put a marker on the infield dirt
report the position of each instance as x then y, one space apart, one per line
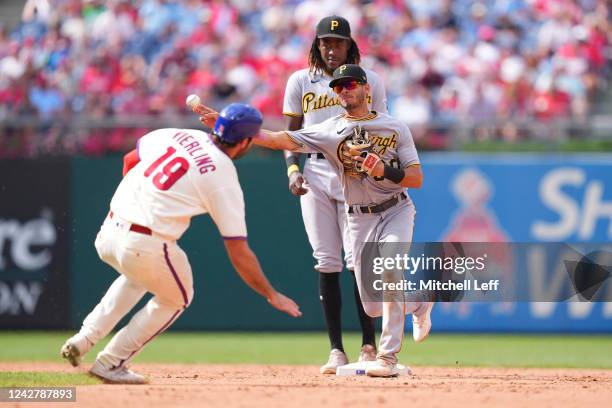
177 385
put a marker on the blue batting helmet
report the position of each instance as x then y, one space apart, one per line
237 121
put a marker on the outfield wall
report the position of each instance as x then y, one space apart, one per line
50 212
530 198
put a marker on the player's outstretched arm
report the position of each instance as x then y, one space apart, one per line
267 138
246 264
276 141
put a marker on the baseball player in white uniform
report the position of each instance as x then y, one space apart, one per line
173 175
308 101
378 207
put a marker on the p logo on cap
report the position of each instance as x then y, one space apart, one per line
335 27
348 71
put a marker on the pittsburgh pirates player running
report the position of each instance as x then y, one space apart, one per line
379 210
308 101
173 175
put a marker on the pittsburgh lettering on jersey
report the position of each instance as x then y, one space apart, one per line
384 142
313 102
193 149
380 145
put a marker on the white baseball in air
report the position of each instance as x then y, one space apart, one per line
192 101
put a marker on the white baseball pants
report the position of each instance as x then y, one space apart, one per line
147 263
324 215
394 225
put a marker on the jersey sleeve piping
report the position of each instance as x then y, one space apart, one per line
293 115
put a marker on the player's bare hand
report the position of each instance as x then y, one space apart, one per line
297 184
284 304
208 116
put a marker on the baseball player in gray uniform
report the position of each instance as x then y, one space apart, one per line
378 207
308 101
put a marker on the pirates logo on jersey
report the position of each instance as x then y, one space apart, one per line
363 141
359 141
343 155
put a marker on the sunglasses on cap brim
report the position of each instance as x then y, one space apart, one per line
348 85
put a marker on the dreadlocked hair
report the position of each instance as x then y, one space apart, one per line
316 62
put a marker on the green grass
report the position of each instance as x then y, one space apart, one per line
587 351
36 379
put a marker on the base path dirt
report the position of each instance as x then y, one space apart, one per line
229 386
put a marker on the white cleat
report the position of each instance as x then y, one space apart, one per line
337 358
368 353
421 322
75 348
71 353
383 368
117 375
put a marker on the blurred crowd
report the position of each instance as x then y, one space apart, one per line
443 62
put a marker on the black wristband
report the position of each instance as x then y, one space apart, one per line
292 159
394 174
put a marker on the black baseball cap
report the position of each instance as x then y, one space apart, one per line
348 71
334 26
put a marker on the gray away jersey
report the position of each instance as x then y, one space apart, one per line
391 138
308 94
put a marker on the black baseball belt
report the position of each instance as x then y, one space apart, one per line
378 208
316 155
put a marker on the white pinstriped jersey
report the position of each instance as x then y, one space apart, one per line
181 174
308 94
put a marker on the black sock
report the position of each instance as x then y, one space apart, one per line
331 300
367 323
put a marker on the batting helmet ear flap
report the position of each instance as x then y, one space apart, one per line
237 121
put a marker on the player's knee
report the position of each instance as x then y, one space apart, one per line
328 264
175 302
186 297
372 309
189 297
180 300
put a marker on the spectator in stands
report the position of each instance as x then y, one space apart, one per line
541 59
46 98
